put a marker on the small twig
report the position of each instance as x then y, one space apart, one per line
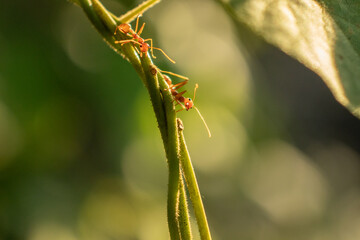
131 15
193 187
184 220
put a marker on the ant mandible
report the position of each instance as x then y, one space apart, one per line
136 39
185 103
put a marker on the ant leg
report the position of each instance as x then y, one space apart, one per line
170 87
179 85
137 23
164 54
152 52
180 109
180 94
137 50
118 27
130 41
141 29
182 106
174 74
126 41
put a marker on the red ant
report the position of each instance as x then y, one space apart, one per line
136 39
185 103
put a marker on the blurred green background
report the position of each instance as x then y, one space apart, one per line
81 156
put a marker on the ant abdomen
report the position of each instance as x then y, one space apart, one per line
124 28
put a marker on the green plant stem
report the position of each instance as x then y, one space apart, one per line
132 14
184 220
162 101
176 185
106 26
171 143
172 201
193 188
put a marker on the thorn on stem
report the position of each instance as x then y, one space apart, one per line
153 70
180 124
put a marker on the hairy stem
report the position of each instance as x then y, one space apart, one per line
184 221
193 187
131 15
171 146
106 23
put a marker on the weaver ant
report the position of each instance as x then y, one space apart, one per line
136 39
185 103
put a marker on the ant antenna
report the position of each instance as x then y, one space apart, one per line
202 118
137 24
151 47
196 87
163 53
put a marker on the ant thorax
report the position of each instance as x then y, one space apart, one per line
181 98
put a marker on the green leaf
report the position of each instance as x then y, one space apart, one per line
324 35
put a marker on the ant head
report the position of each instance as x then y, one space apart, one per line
124 28
188 102
144 47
